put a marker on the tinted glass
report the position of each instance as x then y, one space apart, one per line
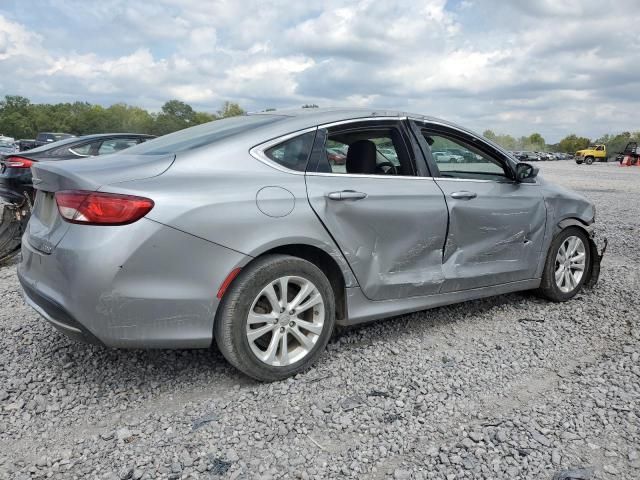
116 144
85 149
59 143
202 135
293 153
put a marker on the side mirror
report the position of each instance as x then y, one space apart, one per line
525 172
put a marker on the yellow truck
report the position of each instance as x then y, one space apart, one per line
595 153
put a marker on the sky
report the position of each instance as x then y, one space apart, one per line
514 66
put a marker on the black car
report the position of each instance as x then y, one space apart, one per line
45 138
15 169
26 144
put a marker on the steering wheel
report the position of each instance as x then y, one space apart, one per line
386 168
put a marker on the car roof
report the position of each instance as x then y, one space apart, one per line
295 119
317 116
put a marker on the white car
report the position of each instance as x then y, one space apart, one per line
440 156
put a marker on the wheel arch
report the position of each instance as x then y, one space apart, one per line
593 273
325 262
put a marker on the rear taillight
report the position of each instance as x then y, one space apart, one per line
18 162
100 208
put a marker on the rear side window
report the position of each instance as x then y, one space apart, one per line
202 135
293 153
116 144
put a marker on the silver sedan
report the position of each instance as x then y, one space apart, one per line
245 232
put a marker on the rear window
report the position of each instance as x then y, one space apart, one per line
293 153
202 135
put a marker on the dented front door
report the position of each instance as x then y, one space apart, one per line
495 232
391 230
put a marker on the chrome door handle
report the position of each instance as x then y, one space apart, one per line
464 195
346 195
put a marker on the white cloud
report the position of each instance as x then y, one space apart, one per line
556 67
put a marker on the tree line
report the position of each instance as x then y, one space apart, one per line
569 144
19 118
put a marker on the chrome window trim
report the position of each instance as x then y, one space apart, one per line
358 120
362 175
257 151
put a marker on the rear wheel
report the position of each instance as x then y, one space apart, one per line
277 317
567 264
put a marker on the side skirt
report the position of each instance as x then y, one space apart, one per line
360 309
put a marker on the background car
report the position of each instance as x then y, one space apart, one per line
15 172
45 138
26 144
447 157
241 231
336 155
7 147
530 157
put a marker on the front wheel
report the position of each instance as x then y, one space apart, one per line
588 160
277 317
567 264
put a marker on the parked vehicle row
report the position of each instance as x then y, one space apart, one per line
531 156
246 231
16 186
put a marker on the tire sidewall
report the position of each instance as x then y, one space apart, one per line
551 261
239 299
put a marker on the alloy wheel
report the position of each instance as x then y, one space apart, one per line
570 264
285 321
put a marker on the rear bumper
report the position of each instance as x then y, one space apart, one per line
56 315
143 285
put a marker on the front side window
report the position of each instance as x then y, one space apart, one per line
455 158
366 151
293 153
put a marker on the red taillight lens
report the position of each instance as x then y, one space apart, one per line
18 162
100 208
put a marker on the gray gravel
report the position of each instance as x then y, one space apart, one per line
505 388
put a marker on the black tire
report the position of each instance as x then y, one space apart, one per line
588 160
548 287
579 162
231 318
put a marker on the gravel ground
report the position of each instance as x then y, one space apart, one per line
505 388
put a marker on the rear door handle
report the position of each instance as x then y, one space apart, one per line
346 195
464 195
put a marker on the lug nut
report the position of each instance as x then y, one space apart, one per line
292 324
281 329
292 312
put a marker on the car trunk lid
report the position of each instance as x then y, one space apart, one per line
46 227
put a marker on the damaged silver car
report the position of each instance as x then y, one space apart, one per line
246 232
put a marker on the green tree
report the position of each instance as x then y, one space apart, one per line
489 134
15 118
536 142
230 109
19 118
572 143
